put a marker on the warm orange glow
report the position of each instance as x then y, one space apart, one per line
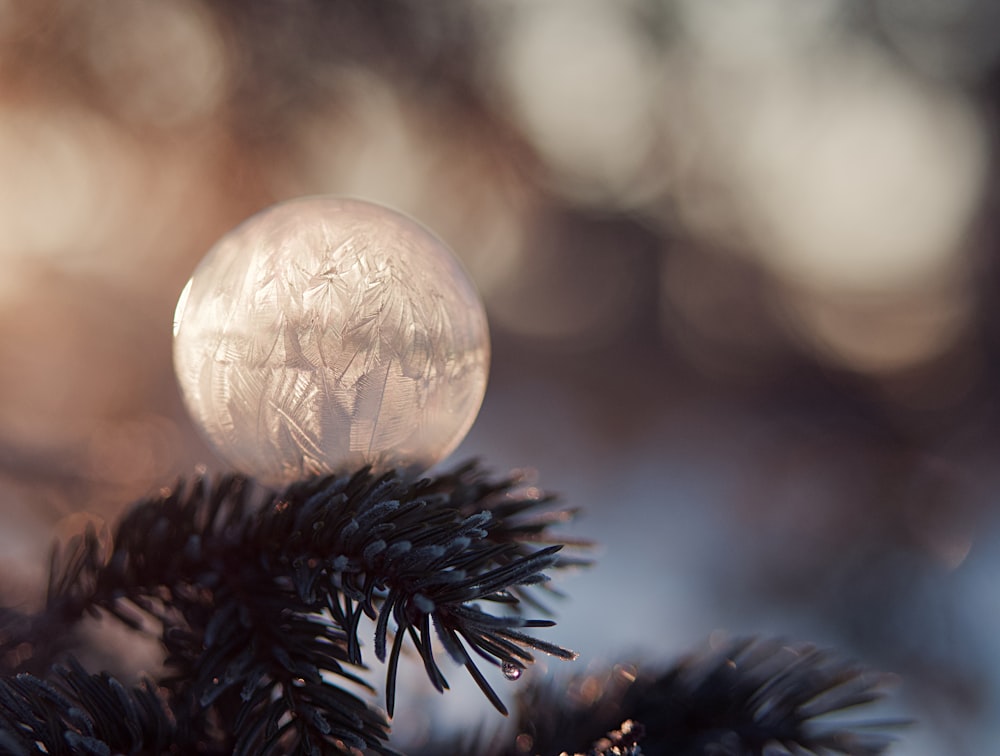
581 85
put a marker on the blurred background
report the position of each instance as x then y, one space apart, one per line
740 261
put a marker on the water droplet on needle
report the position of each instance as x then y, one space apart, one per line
511 671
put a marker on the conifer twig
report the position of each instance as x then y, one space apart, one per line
746 696
257 598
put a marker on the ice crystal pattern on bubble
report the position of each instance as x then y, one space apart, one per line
323 335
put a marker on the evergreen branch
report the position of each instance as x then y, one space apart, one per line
257 596
79 713
30 642
621 742
747 698
421 555
762 694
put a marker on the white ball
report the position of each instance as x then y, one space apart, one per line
325 334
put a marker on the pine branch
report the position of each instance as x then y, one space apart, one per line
257 597
79 713
747 698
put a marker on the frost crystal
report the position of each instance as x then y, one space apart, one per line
324 334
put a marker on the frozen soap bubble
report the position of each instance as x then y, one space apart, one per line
325 334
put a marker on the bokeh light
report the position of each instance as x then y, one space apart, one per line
578 78
739 260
